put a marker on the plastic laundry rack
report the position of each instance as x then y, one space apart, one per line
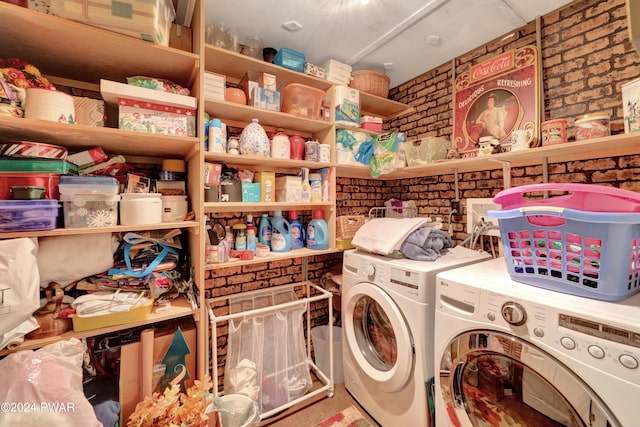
312 293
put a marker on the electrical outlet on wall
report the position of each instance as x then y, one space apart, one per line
477 215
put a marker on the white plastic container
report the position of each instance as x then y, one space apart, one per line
140 208
90 210
174 208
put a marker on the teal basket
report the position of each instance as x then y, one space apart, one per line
589 254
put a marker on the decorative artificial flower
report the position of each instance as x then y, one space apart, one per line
21 74
173 408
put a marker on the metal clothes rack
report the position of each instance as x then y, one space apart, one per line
306 288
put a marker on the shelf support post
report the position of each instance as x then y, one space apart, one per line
506 172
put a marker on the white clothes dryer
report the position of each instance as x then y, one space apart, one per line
387 327
519 355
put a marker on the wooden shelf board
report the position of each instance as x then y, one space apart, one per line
234 66
100 230
276 119
82 137
262 163
295 253
219 207
382 107
180 307
617 145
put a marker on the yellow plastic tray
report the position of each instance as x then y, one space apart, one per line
137 314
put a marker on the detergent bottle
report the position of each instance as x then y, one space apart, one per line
280 233
264 230
296 231
317 232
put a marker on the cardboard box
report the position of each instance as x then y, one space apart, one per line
180 38
251 192
87 158
314 70
155 118
371 123
214 86
89 112
111 91
131 365
143 19
267 182
289 189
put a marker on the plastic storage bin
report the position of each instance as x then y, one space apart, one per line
102 185
138 313
141 208
290 59
585 243
28 215
302 100
89 210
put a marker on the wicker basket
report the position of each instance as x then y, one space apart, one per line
347 225
370 81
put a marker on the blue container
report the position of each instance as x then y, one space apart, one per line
317 232
280 233
297 231
28 215
290 59
572 251
264 230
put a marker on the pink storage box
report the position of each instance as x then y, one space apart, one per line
371 123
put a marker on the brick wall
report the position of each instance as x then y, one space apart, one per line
586 56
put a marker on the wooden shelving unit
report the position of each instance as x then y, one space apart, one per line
78 55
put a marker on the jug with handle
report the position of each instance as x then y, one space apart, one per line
317 232
521 139
280 233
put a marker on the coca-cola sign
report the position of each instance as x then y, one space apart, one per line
493 67
496 97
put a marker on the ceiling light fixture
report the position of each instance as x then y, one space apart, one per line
291 26
434 40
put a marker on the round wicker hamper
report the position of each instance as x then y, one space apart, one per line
371 81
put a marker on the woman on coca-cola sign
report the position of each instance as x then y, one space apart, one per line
492 119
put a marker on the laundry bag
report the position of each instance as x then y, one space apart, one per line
266 353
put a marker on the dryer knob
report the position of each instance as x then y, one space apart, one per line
370 270
514 313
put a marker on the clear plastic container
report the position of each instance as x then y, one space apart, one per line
103 185
90 210
28 215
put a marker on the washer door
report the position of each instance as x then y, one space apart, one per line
378 336
493 378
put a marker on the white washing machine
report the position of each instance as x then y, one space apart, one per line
519 355
387 327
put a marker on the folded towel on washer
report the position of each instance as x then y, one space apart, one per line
385 235
426 244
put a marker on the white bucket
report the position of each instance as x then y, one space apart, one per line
174 208
140 208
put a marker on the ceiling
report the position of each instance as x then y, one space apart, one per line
403 39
